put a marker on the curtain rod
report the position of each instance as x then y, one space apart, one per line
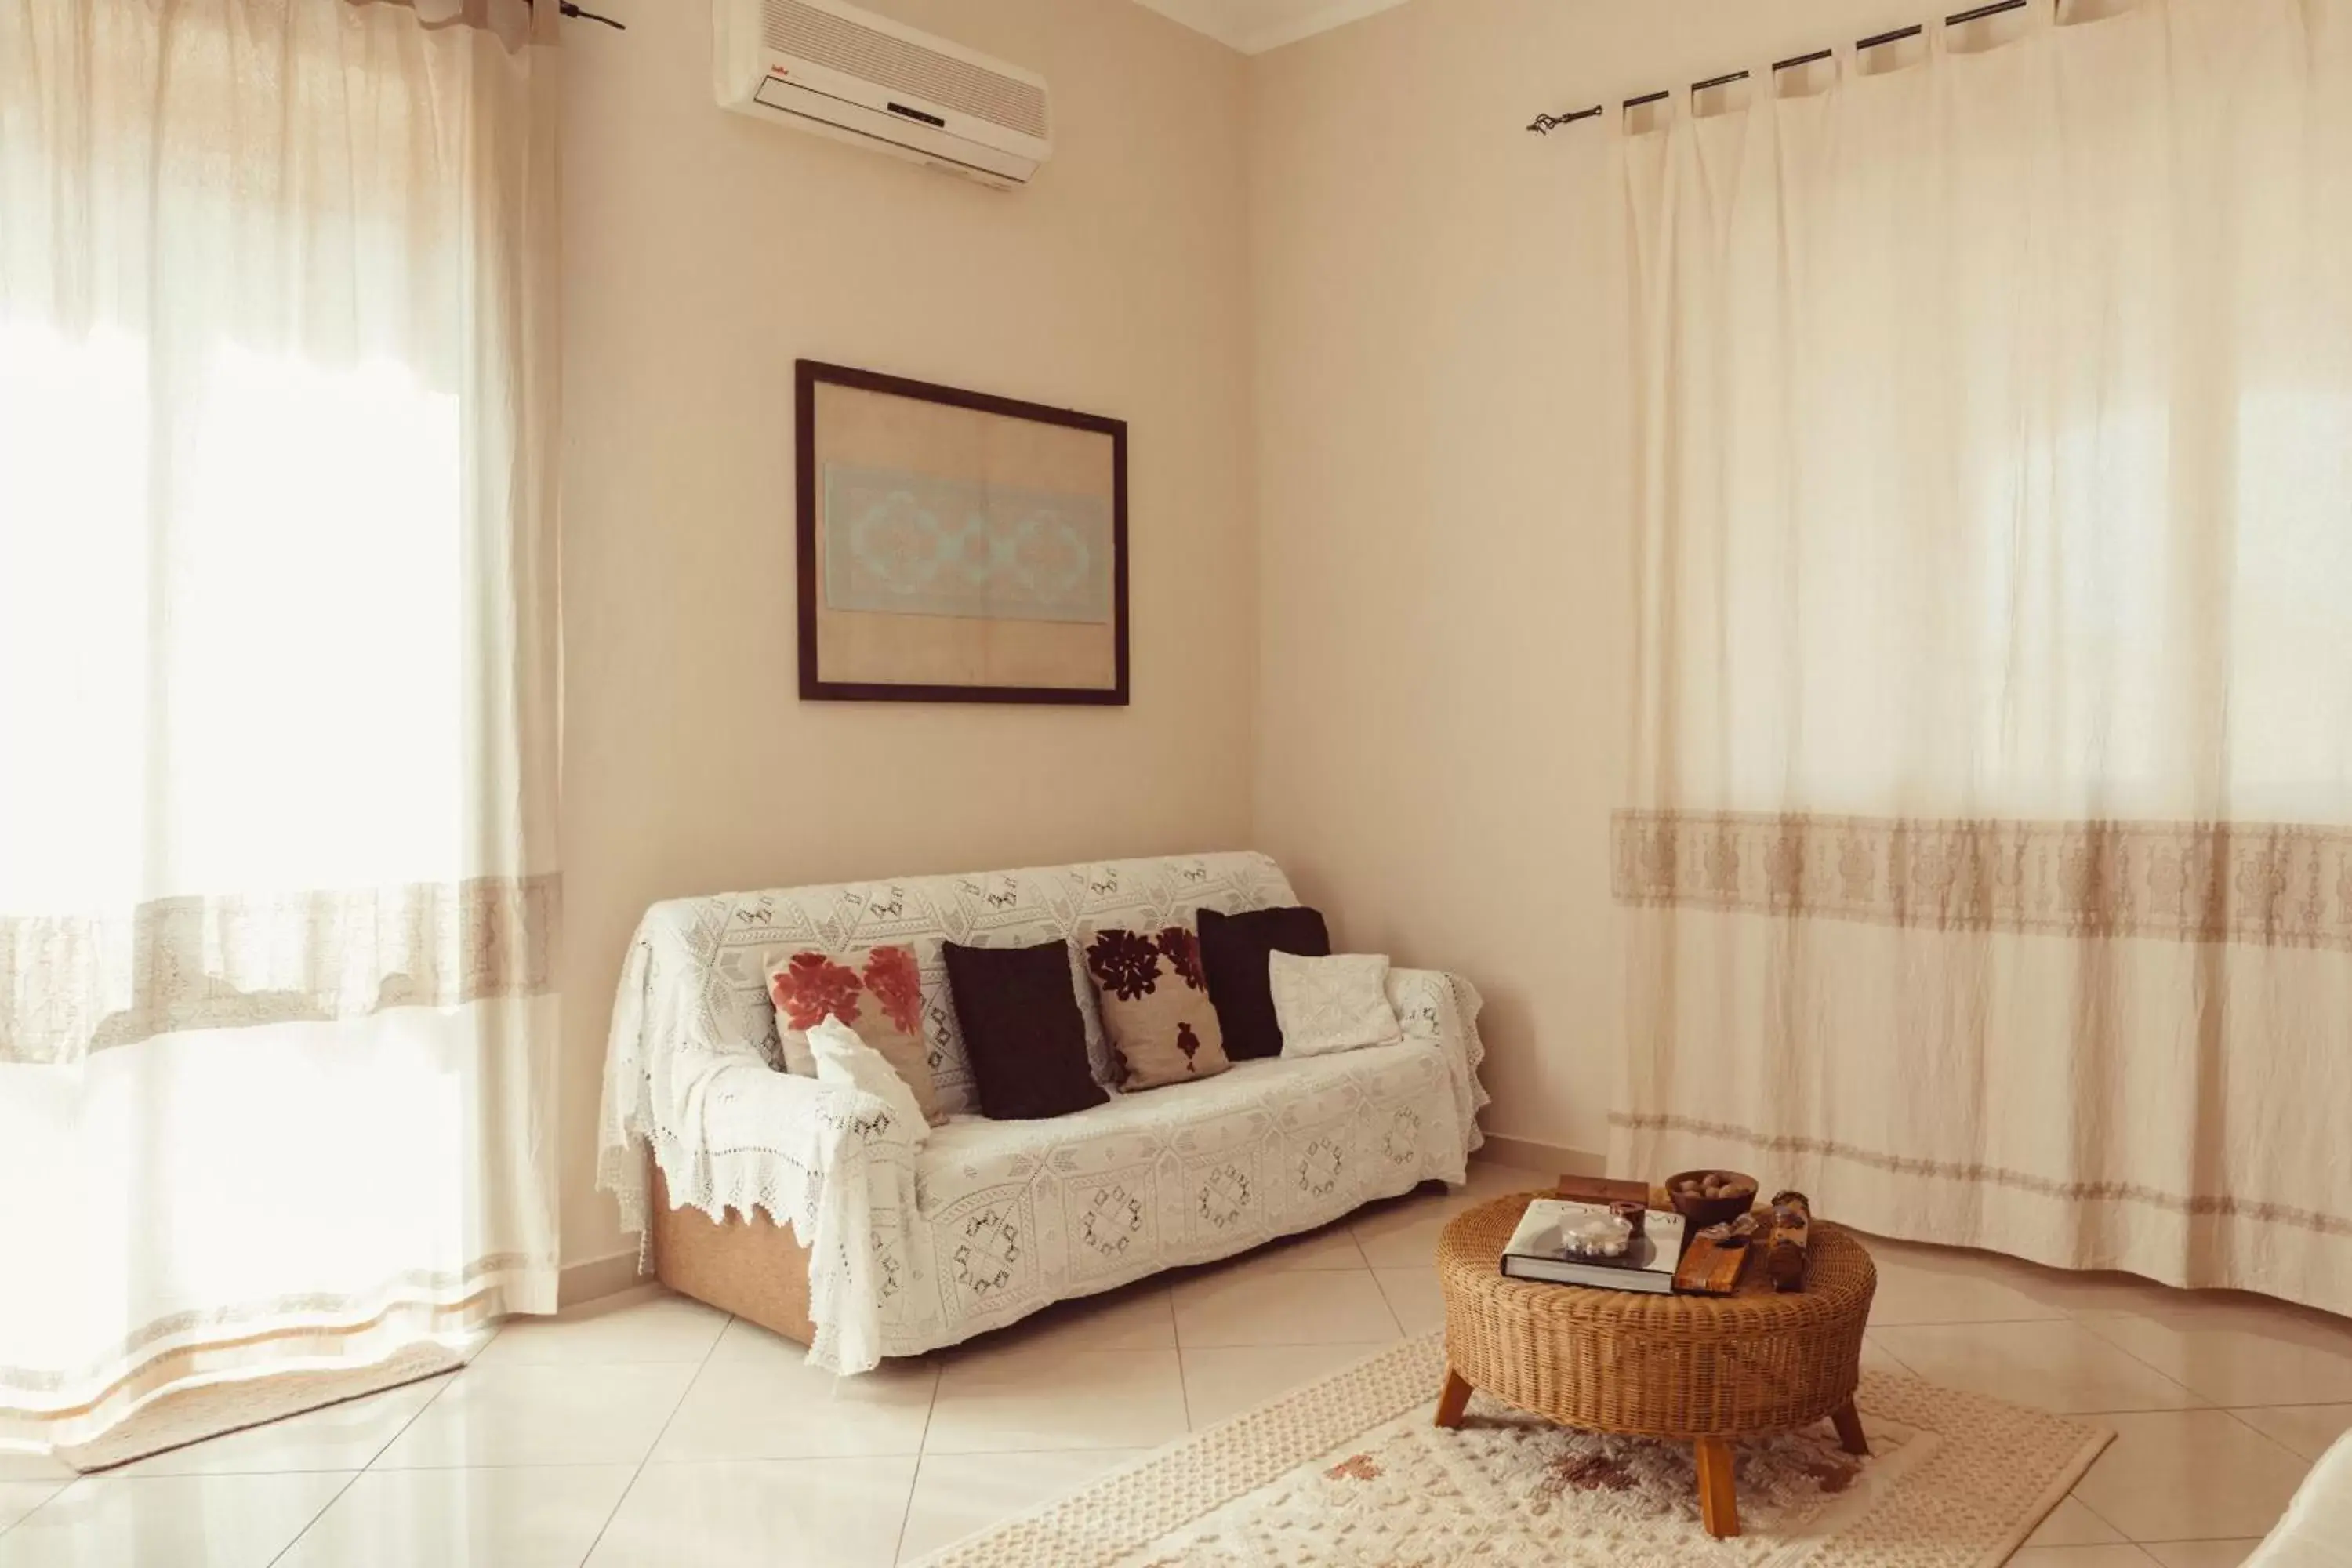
1544 124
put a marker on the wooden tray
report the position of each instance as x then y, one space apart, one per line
1708 1270
1603 1190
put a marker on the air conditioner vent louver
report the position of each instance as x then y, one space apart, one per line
839 44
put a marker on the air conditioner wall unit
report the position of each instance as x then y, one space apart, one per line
840 71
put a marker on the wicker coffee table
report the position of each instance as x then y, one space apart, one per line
1702 1370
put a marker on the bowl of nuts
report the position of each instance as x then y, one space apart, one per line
1710 1197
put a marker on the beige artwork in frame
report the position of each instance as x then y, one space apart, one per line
956 546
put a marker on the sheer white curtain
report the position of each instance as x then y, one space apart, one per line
1990 868
276 689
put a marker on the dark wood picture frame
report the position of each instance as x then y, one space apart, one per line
809 375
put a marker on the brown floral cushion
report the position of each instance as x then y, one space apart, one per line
1155 1007
876 991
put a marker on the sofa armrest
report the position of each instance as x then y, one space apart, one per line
757 1138
833 1162
2317 1531
731 1132
1442 1011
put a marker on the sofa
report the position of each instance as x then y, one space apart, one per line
2317 1531
806 1207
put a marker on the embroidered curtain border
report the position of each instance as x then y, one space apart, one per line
76 985
1994 1175
2264 884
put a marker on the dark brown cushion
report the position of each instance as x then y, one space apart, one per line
1234 950
1023 1033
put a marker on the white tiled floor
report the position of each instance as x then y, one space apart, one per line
649 1429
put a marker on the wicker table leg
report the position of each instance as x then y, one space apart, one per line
1718 1503
1453 1400
1849 1430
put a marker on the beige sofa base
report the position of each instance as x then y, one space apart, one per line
750 1267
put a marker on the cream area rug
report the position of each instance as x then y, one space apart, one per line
214 1409
1351 1471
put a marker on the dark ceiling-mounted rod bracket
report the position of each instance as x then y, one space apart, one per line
568 9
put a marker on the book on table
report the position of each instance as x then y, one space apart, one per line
1536 1252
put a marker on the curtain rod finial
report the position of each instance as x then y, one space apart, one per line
569 8
1545 124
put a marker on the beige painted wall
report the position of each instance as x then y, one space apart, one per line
705 252
1445 551
1357 318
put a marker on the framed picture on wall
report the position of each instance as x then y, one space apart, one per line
956 546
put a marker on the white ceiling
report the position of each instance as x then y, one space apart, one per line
1254 26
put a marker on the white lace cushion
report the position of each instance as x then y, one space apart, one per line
1335 1003
843 1059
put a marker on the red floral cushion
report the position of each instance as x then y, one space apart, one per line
876 991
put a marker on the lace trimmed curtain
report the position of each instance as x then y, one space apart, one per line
277 704
1988 868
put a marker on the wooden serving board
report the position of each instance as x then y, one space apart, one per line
1708 1270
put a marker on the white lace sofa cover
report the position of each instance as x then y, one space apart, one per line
2317 1531
992 1220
